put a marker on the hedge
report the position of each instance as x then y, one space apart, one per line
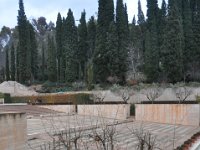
6 97
75 98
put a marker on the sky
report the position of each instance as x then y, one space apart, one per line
50 8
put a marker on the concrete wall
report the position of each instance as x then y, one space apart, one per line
13 131
120 111
60 108
181 114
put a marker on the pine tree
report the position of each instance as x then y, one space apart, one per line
91 37
59 45
12 58
71 73
51 61
7 65
82 46
123 38
105 17
172 60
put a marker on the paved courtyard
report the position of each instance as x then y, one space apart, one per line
42 129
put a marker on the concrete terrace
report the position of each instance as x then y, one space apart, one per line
40 128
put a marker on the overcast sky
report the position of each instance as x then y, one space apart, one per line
50 8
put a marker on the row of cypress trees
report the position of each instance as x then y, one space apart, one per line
172 39
165 46
100 44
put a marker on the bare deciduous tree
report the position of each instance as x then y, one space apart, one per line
182 93
124 92
98 96
152 93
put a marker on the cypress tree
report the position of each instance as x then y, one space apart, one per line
172 61
188 51
112 50
123 37
51 61
196 35
91 37
24 73
64 47
12 58
7 65
33 52
59 45
162 20
71 73
83 46
17 63
141 19
43 63
105 17
151 42
141 30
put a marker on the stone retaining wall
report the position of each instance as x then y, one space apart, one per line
69 109
13 131
180 114
117 111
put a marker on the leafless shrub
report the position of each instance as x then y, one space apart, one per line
124 92
152 93
182 93
98 96
146 140
104 136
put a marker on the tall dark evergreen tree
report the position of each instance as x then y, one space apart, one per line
59 45
7 65
91 37
151 42
195 7
172 61
71 73
105 17
82 46
123 38
33 53
51 60
188 51
12 62
64 47
43 67
141 18
24 73
141 30
112 51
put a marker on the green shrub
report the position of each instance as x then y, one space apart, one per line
7 98
132 110
1 95
198 99
60 98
